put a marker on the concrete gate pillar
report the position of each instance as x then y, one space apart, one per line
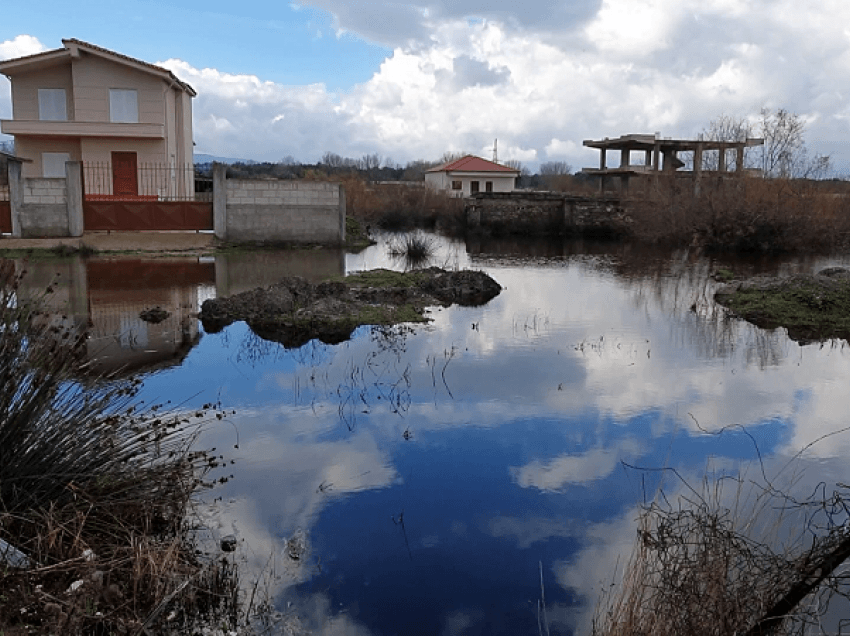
16 195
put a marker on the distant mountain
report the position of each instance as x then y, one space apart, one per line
205 158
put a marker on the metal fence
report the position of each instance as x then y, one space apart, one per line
151 182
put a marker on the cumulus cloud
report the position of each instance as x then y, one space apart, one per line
540 79
16 47
595 464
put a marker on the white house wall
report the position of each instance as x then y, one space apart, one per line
443 181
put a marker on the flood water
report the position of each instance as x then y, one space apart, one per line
428 473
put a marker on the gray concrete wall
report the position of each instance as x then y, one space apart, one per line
544 214
44 207
44 211
283 211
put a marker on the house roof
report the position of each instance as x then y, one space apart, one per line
470 163
72 48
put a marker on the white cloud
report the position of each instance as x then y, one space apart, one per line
540 80
20 46
17 47
592 465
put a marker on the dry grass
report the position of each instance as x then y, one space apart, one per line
747 214
399 206
94 492
758 564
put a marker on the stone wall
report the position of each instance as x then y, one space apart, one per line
249 210
544 213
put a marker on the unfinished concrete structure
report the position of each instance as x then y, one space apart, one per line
660 156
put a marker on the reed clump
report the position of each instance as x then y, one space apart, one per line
96 494
414 250
742 214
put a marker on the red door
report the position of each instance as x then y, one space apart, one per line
125 181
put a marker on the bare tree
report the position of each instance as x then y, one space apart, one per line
729 128
783 154
555 168
368 163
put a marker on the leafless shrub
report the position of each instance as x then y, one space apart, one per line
731 558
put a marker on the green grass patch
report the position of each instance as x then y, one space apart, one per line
812 311
380 315
724 275
385 278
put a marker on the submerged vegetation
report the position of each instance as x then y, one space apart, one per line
96 493
414 250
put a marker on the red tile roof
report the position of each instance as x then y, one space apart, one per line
470 163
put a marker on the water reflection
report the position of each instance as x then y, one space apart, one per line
105 296
502 435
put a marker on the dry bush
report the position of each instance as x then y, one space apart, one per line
94 494
720 563
400 206
741 214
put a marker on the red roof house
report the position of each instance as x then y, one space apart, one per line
469 175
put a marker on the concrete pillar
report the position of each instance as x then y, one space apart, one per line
74 197
79 291
647 158
16 195
220 200
625 157
341 213
697 168
721 159
222 275
602 161
740 159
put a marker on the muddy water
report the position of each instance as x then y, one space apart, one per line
425 474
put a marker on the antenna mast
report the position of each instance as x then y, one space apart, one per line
495 151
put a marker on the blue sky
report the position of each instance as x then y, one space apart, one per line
415 80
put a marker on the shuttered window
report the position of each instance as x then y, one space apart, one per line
52 105
123 106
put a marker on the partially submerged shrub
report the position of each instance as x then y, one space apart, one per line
726 563
415 250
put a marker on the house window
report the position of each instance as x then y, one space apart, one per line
457 185
488 186
123 106
53 163
473 187
52 105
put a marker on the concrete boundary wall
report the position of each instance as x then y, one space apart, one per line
249 210
42 207
244 210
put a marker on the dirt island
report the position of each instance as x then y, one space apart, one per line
811 307
294 311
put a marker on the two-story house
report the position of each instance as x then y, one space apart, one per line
86 103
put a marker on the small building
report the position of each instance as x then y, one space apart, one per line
88 104
469 175
657 155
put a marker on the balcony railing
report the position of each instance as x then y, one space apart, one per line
153 182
